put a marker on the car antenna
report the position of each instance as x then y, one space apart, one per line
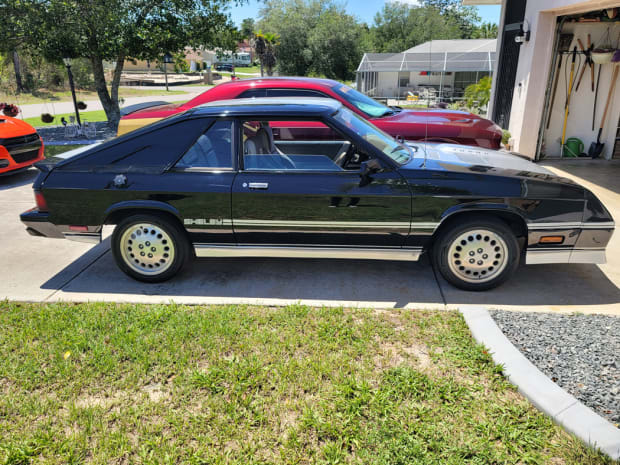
429 74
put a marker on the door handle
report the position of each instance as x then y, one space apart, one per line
258 185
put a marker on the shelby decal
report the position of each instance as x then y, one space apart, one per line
203 221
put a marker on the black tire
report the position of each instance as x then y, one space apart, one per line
164 234
495 255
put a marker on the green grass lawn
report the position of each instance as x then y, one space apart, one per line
90 116
53 150
51 97
110 383
245 69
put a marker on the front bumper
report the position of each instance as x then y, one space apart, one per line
37 224
584 243
19 153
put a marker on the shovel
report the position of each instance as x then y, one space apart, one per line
596 148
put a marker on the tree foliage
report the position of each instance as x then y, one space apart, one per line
247 28
477 95
399 26
317 37
485 31
113 30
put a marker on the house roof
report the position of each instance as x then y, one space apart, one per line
436 55
457 46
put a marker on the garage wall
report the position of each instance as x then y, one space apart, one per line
535 59
582 102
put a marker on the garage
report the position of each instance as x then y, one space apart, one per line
532 82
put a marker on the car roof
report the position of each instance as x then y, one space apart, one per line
286 106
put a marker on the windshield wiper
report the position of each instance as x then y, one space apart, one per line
387 112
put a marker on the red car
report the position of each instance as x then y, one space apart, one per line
451 126
20 145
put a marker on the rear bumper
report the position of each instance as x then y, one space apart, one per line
37 224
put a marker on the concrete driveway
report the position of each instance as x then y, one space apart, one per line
39 269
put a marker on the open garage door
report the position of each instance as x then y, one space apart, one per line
508 61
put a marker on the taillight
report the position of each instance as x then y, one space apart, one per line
40 200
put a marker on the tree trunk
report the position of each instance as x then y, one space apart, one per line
18 73
260 58
109 100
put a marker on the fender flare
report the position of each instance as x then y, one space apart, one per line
154 205
481 207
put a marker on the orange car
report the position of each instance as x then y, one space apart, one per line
20 145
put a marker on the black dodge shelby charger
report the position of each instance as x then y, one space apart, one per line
308 178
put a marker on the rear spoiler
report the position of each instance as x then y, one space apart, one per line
141 106
48 164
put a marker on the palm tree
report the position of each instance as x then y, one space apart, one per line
264 45
486 31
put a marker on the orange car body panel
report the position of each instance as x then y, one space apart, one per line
12 128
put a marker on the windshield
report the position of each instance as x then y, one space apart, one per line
400 153
362 102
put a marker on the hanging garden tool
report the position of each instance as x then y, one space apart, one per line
588 54
596 148
563 47
569 92
598 81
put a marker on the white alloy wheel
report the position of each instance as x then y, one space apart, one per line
147 249
478 256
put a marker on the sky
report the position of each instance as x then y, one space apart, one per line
365 10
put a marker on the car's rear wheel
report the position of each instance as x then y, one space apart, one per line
150 248
476 254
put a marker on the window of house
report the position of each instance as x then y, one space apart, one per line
213 149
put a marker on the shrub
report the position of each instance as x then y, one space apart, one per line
505 136
477 95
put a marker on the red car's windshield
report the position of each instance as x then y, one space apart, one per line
363 103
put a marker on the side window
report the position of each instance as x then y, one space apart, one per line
213 149
253 93
293 146
294 93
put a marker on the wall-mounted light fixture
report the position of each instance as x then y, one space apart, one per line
523 36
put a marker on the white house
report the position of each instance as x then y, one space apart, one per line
445 66
529 52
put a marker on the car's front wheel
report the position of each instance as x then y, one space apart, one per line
476 254
150 248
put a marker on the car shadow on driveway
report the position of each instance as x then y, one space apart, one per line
360 283
549 286
94 276
21 178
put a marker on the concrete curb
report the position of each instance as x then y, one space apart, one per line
547 396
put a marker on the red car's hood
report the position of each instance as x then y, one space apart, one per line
441 126
431 116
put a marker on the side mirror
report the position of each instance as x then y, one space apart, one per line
369 168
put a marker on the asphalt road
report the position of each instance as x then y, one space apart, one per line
39 269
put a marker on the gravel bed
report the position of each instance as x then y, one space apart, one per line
581 353
57 133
